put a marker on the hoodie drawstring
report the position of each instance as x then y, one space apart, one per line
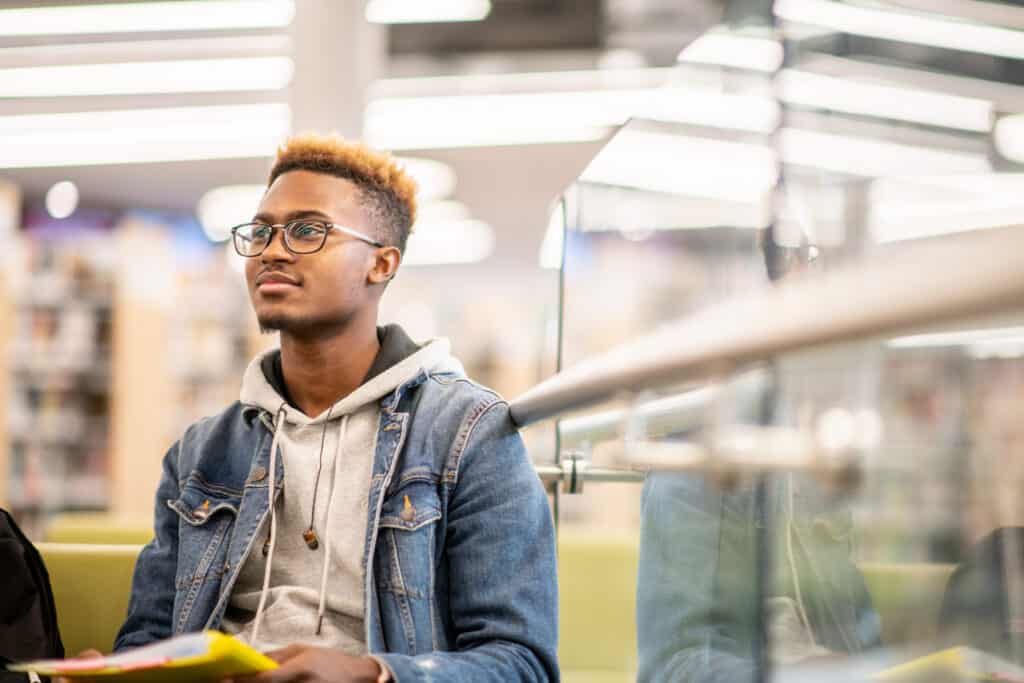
327 527
274 452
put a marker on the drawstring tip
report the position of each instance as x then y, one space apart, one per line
319 624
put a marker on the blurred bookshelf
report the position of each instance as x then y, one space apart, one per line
59 362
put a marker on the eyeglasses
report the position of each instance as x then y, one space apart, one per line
300 236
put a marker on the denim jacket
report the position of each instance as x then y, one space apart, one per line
463 590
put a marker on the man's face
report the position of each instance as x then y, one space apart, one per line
307 294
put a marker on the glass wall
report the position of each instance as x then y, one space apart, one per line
830 515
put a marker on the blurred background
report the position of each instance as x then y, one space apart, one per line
589 171
133 135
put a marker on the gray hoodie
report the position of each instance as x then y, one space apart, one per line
316 596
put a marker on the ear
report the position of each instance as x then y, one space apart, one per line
386 262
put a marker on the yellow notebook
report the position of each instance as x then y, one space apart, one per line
954 664
207 656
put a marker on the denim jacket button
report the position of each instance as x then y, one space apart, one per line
408 513
202 512
258 474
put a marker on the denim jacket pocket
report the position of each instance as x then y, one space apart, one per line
405 561
413 504
206 513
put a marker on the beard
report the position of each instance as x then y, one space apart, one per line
305 327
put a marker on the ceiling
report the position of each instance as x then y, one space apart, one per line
338 57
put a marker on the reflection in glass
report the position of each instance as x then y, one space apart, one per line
824 138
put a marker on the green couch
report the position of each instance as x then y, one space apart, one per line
597 578
597 584
91 584
97 527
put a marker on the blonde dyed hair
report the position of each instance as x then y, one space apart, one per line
388 192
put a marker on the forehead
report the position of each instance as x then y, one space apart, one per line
298 191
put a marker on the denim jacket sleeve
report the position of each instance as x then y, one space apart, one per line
695 600
500 550
151 606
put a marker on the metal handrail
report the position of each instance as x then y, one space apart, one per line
669 414
903 288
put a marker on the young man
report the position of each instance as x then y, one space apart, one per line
364 511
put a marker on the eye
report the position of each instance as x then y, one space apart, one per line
259 233
306 231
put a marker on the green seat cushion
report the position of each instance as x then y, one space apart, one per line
907 597
597 595
97 528
91 585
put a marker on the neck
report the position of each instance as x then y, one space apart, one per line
321 371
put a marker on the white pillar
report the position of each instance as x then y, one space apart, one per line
337 55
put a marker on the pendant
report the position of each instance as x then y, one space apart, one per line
310 537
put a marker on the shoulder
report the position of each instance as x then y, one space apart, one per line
460 413
234 417
234 429
455 399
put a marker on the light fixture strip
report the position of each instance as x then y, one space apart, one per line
423 12
140 78
818 91
139 17
904 27
142 135
959 338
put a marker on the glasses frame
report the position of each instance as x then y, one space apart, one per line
283 227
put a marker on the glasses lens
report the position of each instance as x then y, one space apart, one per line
305 237
251 239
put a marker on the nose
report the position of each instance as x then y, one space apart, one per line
276 251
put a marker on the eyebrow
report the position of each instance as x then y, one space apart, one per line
294 215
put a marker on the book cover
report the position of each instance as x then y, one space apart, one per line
207 656
955 664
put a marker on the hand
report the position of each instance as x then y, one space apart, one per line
84 654
316 664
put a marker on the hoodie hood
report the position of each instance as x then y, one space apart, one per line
432 356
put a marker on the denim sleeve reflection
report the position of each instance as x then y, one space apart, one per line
695 600
697 606
500 552
150 609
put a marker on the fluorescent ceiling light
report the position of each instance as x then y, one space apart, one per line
222 208
903 27
718 48
871 157
142 135
1009 137
884 101
1004 97
133 78
484 120
684 165
435 179
922 207
426 11
959 338
186 15
449 242
581 80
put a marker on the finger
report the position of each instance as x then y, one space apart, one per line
89 654
286 673
285 653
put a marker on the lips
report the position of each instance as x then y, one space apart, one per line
275 281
